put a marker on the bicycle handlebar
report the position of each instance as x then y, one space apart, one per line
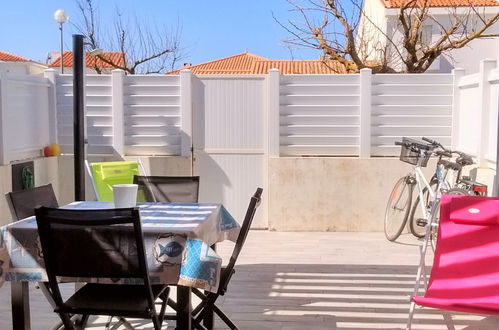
463 159
430 141
446 153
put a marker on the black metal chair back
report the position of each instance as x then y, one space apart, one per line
181 189
241 238
79 243
22 203
209 299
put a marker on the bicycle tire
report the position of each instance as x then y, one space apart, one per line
434 232
434 229
459 191
397 208
416 230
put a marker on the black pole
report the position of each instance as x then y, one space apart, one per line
78 117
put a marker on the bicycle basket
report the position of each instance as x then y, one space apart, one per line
410 152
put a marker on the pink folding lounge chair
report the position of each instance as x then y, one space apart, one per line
465 272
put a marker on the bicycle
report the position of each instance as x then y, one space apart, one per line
462 185
399 203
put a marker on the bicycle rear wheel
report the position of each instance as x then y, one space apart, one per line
434 230
417 221
398 207
459 191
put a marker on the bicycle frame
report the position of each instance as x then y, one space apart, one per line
441 174
430 217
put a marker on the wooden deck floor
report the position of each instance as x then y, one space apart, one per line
291 281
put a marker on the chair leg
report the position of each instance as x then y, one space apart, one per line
66 320
448 321
121 321
156 323
224 318
411 315
82 321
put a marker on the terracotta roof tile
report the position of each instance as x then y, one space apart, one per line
246 63
91 61
443 3
299 67
236 64
4 56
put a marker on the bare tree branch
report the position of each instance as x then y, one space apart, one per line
363 44
144 47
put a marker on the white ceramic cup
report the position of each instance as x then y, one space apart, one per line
125 195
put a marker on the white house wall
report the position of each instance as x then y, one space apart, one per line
467 57
369 39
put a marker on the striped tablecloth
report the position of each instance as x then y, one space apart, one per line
177 238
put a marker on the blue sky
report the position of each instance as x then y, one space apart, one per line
210 29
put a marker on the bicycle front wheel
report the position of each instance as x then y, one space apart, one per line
397 208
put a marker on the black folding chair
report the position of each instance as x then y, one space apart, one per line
208 299
22 202
180 189
84 244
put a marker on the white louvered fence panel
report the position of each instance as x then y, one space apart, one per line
98 112
410 105
319 115
152 115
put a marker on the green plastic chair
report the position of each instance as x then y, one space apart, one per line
106 174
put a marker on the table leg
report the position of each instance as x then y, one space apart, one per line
208 319
20 305
184 307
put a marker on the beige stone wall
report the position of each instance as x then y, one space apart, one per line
331 194
304 194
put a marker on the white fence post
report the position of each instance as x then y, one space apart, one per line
486 66
274 113
456 108
365 112
186 113
117 106
51 75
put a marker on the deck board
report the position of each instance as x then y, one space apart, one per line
296 280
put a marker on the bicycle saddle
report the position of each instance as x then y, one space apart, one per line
464 160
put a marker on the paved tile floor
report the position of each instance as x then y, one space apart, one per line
294 281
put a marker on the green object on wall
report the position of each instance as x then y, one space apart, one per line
107 174
28 178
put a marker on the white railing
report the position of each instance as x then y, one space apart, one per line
319 114
98 113
476 107
24 116
412 106
331 115
152 115
359 114
127 115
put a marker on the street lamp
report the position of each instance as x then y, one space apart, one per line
61 17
